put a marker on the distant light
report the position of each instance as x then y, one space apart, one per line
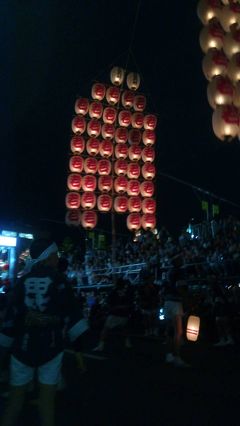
23 235
8 241
161 314
9 233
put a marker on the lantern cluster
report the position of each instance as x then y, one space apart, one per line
111 164
220 42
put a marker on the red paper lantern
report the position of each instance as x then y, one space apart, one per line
121 204
89 219
229 16
120 184
81 106
73 200
148 154
93 146
134 204
106 148
133 170
88 200
90 165
117 76
124 118
134 221
220 91
147 189
78 124
120 167
214 63
137 120
149 205
74 182
105 183
135 152
77 144
89 183
211 37
113 95
208 9
139 103
76 164
104 167
133 187
236 99
149 137
134 136
104 203
148 171
96 109
231 44
98 91
73 218
150 122
148 222
121 135
109 115
121 151
108 131
234 68
225 122
133 81
94 128
127 99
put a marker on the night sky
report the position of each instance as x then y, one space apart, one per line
53 52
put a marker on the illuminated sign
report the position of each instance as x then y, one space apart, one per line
8 241
9 233
28 236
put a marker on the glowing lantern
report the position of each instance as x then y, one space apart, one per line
148 221
121 151
211 37
113 95
127 99
120 184
137 120
73 200
89 219
135 152
133 81
117 76
134 204
124 118
121 135
220 91
98 91
134 137
104 167
208 9
78 124
225 122
73 218
121 167
133 170
133 187
88 200
121 204
193 326
108 131
109 115
230 15
149 137
94 128
214 63
231 44
106 148
150 122
90 165
89 183
95 109
147 189
139 103
76 164
74 182
104 203
81 106
134 221
234 68
105 183
148 171
149 205
93 146
148 154
77 144
236 99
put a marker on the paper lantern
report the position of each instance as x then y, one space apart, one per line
150 122
149 205
89 183
236 98
73 218
106 148
133 170
214 63
104 167
134 137
134 204
89 219
81 106
229 16
90 165
147 189
96 109
133 187
124 118
121 135
105 183
74 182
127 99
93 146
225 122
121 151
139 103
104 203
231 44
234 68
77 144
121 167
133 81
73 200
121 204
193 326
148 171
94 128
113 95
135 153
117 76
98 91
211 37
120 184
149 137
148 222
208 9
220 91
88 200
76 164
108 131
134 221
148 154
137 120
109 115
78 124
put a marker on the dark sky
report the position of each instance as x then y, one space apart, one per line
54 50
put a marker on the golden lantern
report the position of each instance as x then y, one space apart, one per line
137 120
124 118
113 95
104 167
89 219
76 164
225 122
74 182
134 221
133 170
98 91
133 81
120 167
148 171
134 204
94 128
212 36
133 187
236 98
148 154
121 151
149 205
149 137
105 183
139 103
208 9
73 200
214 63
120 184
220 91
127 99
89 183
73 218
147 189
231 43
234 68
81 106
135 152
104 203
117 76
90 165
109 115
229 16
77 144
148 222
88 200
193 326
93 146
150 122
106 148
78 124
95 109
121 204
121 135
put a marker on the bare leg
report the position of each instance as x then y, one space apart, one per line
14 405
47 404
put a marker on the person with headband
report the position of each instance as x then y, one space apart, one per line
33 326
